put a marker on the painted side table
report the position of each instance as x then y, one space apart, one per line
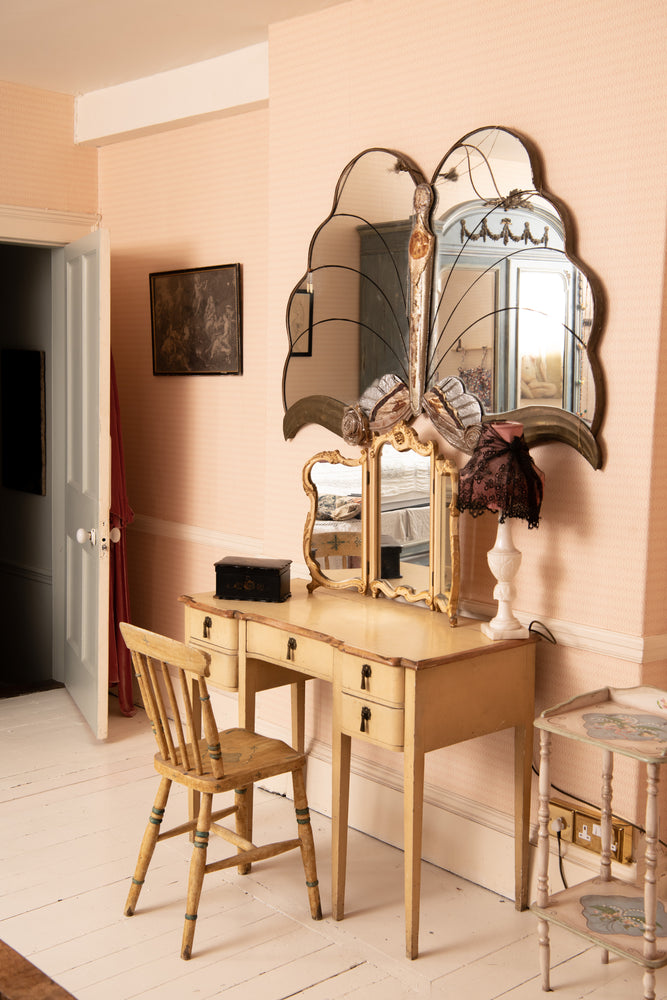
628 920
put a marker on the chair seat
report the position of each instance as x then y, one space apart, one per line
246 757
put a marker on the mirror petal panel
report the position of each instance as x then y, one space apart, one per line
514 314
375 189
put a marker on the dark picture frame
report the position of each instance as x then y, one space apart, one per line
301 323
196 321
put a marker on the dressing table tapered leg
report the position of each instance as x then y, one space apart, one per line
413 810
298 699
247 697
413 806
339 815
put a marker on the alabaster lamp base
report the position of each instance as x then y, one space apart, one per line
504 561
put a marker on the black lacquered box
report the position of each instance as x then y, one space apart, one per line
242 578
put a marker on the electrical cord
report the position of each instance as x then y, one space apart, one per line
560 858
547 634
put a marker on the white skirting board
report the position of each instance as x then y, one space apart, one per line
459 835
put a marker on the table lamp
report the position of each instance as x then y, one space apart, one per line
501 476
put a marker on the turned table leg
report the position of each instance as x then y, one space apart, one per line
650 879
543 856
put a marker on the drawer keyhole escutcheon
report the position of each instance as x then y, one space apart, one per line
365 718
291 646
208 625
365 676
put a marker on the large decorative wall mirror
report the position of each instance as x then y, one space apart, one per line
461 298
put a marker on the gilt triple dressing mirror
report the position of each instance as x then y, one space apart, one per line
386 521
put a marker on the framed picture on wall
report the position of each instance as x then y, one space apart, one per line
196 321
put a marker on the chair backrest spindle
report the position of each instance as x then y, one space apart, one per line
186 696
162 714
176 714
142 673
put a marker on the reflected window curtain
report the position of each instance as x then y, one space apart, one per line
120 515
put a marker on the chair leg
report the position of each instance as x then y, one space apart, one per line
243 803
307 844
148 845
197 872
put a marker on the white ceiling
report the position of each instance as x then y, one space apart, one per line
76 46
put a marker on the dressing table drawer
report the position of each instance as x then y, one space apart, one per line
298 652
212 630
224 666
219 637
366 678
368 720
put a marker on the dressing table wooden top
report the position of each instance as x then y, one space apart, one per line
397 633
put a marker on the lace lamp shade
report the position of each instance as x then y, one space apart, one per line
501 476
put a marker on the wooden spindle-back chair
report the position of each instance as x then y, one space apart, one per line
168 673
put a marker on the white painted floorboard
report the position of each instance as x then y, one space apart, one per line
72 813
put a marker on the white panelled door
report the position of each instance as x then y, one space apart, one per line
81 473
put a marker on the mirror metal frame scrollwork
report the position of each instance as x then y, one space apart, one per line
541 422
318 576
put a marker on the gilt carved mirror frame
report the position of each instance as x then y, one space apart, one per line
434 582
328 538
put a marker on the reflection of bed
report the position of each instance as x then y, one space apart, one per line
406 511
336 541
405 516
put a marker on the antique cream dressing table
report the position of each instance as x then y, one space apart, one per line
403 678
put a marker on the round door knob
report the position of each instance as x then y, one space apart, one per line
83 536
114 535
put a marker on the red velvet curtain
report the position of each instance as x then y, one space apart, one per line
120 515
